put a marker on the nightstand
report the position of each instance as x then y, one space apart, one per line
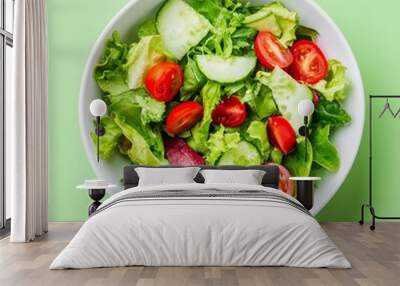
96 190
305 190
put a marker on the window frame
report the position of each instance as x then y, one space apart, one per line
6 39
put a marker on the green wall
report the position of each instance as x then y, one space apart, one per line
74 25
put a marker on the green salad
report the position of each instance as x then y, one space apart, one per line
218 82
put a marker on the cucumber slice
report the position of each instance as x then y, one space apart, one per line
225 70
262 19
181 27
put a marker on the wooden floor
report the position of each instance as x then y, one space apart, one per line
375 257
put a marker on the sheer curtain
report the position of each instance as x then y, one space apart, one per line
26 120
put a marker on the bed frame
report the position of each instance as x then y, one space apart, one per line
271 177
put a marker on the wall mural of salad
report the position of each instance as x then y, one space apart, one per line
218 82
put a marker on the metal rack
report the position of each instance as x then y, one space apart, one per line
370 201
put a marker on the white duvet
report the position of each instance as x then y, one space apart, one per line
200 231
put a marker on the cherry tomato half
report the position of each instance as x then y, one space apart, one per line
183 117
281 134
270 52
309 64
164 80
231 112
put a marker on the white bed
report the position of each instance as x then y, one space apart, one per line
185 230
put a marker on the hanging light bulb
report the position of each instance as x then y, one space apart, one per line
305 108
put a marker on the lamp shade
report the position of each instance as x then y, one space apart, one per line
98 107
305 107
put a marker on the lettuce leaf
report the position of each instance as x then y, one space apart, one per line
243 41
335 86
208 8
287 94
219 143
236 88
264 103
275 18
330 113
303 32
297 163
259 98
221 42
141 57
257 135
147 28
211 9
317 171
194 80
210 95
325 153
140 151
109 141
146 144
225 20
109 72
242 154
151 109
276 156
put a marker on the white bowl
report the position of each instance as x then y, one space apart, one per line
331 40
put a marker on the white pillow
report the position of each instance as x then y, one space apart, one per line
166 176
243 177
